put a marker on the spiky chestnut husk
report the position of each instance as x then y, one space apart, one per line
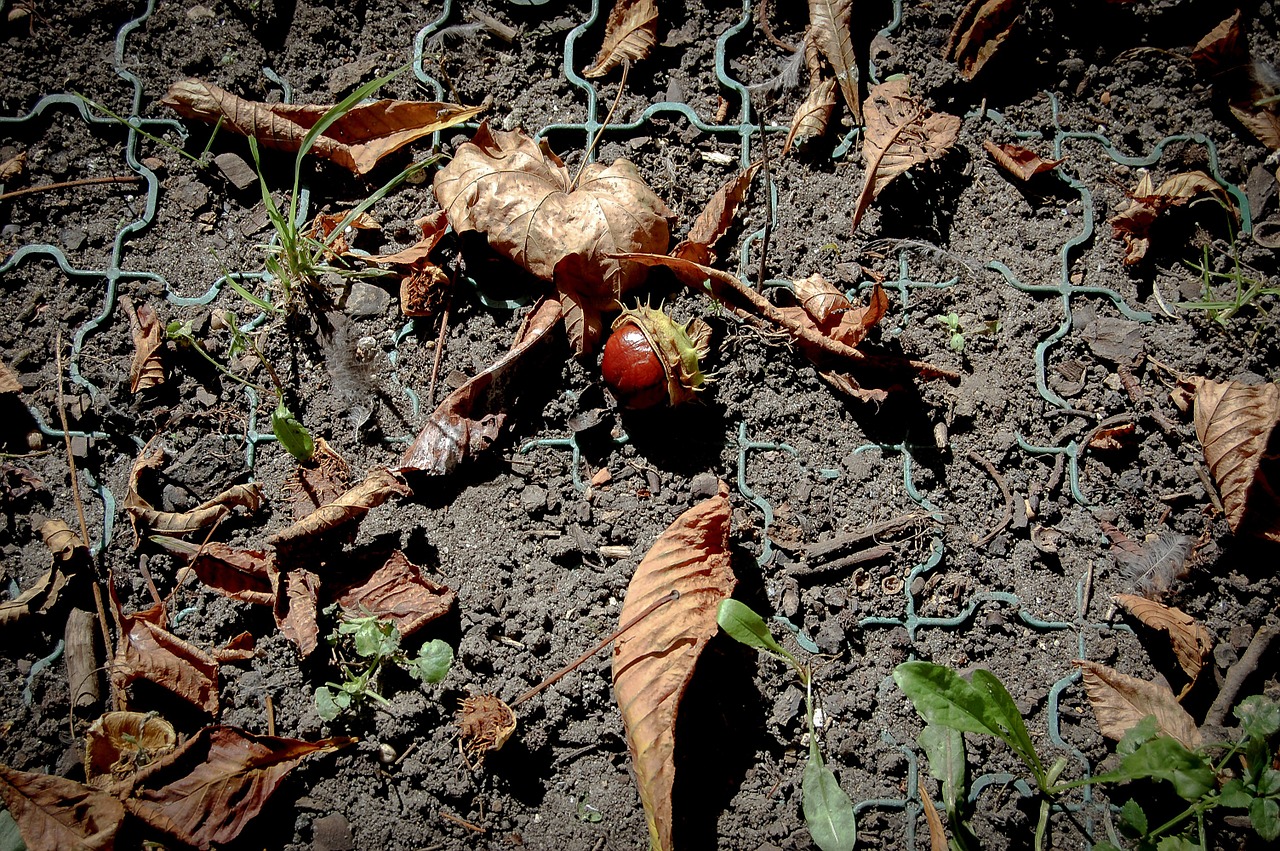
650 358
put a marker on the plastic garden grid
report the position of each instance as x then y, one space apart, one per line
745 131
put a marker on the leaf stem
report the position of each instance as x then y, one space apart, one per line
586 156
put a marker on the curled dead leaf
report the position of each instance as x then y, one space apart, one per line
70 559
485 723
829 29
1120 702
350 507
397 591
357 141
147 369
146 650
12 167
297 596
323 226
824 309
54 813
434 227
243 575
1222 47
979 30
715 218
630 33
318 481
119 743
1133 224
1235 423
1262 123
654 661
812 116
1191 642
1022 163
178 523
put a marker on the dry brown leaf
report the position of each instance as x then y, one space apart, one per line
1234 423
12 167
1120 702
318 481
296 600
1262 123
524 200
205 792
206 514
829 29
1191 642
326 223
379 486
1114 438
9 382
434 227
811 117
1222 47
243 575
119 743
1021 162
397 591
356 141
470 418
1134 223
715 218
485 723
900 133
654 660
631 32
826 310
820 299
54 813
70 559
937 832
147 369
425 290
979 30
242 648
145 650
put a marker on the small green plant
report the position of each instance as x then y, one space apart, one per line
364 646
201 161
1243 290
951 321
828 812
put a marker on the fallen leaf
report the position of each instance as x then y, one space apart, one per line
119 743
715 218
1222 47
1261 122
1134 223
322 479
1022 163
1191 642
1115 340
469 419
356 141
630 33
397 591
242 648
829 29
654 660
826 310
205 792
296 600
147 369
206 514
240 574
1114 438
350 507
820 299
70 559
937 832
485 723
1234 423
524 200
425 290
1120 702
900 133
54 813
434 227
979 30
812 116
145 650
9 382
12 167
323 225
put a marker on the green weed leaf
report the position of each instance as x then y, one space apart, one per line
1264 814
326 707
944 748
1235 795
746 627
1004 712
292 434
1137 735
374 639
1164 758
1133 818
1178 843
1259 716
827 809
432 662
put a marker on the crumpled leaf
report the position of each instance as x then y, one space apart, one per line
12 167
146 369
119 743
54 813
434 227
900 133
469 419
1222 47
297 595
379 486
206 514
485 723
320 480
524 200
326 223
145 650
425 288
240 574
70 559
1234 423
1261 122
829 29
715 218
1022 163
1114 438
1191 642
205 792
1120 701
812 116
9 382
979 30
630 33
826 310
397 591
357 140
1134 223
654 660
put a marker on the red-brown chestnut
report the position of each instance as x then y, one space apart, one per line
650 359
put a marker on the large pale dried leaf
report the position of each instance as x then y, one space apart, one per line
819 298
811 117
824 309
829 29
1191 642
979 30
9 382
631 32
524 200
1133 224
1022 163
206 514
1222 47
379 486
243 575
146 369
715 218
654 660
205 792
145 650
296 600
1261 122
55 814
397 591
1234 423
356 141
468 420
119 743
900 133
1120 702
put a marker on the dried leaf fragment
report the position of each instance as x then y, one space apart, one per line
715 218
323 226
70 558
979 30
485 723
12 167
146 369
1022 163
1191 642
178 523
240 574
119 743
9 382
631 32
654 660
1120 702
1133 224
145 650
1222 47
297 596
812 116
356 141
1261 122
379 486
829 28
397 591
1235 423
54 813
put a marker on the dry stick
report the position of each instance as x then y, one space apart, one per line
1004 491
762 12
271 715
461 821
829 547
84 527
146 575
435 368
586 156
67 184
648 610
768 200
1240 672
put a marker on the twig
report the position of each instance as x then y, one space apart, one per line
151 585
878 551
1004 491
762 12
1240 672
826 549
271 715
67 184
768 198
461 821
435 368
586 156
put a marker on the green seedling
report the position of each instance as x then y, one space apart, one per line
1242 291
364 646
201 161
951 321
828 811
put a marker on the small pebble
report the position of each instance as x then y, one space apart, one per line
704 486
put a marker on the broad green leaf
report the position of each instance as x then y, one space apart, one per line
1164 758
292 434
1178 843
433 661
1264 814
1235 795
827 809
1268 782
944 748
1133 818
326 708
374 639
746 627
1004 712
1144 731
10 837
1259 716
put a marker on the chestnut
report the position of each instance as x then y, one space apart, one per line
650 359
